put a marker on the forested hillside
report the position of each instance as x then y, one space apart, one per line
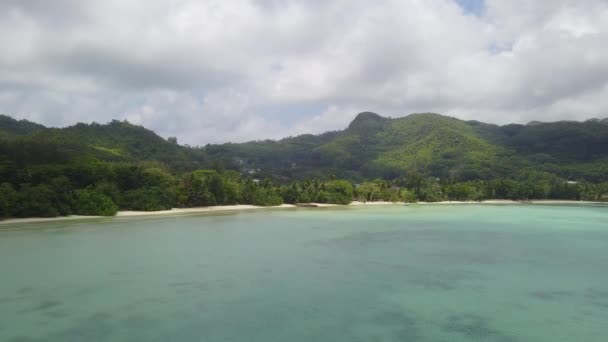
11 127
24 144
101 168
431 144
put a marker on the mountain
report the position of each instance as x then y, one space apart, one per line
97 169
371 146
26 143
12 127
441 146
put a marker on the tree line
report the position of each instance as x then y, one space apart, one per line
102 188
89 187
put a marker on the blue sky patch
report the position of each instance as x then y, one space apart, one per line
472 6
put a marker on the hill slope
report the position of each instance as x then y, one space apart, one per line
26 143
436 145
371 146
10 127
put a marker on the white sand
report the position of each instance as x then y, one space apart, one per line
321 205
239 207
174 211
246 207
46 219
374 203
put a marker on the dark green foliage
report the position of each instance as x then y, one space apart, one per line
371 147
249 190
233 191
381 190
109 189
35 201
338 192
12 127
196 191
267 197
291 194
62 195
368 123
565 141
463 192
91 202
425 189
431 144
147 199
115 141
422 157
8 200
216 188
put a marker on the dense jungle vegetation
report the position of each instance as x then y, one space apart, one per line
97 169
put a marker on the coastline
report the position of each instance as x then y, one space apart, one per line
174 211
248 207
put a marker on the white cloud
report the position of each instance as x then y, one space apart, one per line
211 71
334 118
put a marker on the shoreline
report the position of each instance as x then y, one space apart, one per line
248 207
169 212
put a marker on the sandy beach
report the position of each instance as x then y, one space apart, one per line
247 207
374 203
174 211
220 208
128 213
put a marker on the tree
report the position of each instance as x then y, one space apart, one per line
367 191
233 191
290 194
407 196
63 197
339 192
267 197
109 189
156 176
249 191
147 199
8 200
216 188
91 202
35 201
463 192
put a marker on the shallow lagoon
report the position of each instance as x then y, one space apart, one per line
382 273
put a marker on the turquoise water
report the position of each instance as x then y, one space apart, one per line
390 273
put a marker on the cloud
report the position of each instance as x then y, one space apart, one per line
213 71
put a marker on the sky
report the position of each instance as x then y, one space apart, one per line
212 71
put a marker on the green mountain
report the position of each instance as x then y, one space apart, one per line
373 146
97 169
370 147
12 127
26 143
